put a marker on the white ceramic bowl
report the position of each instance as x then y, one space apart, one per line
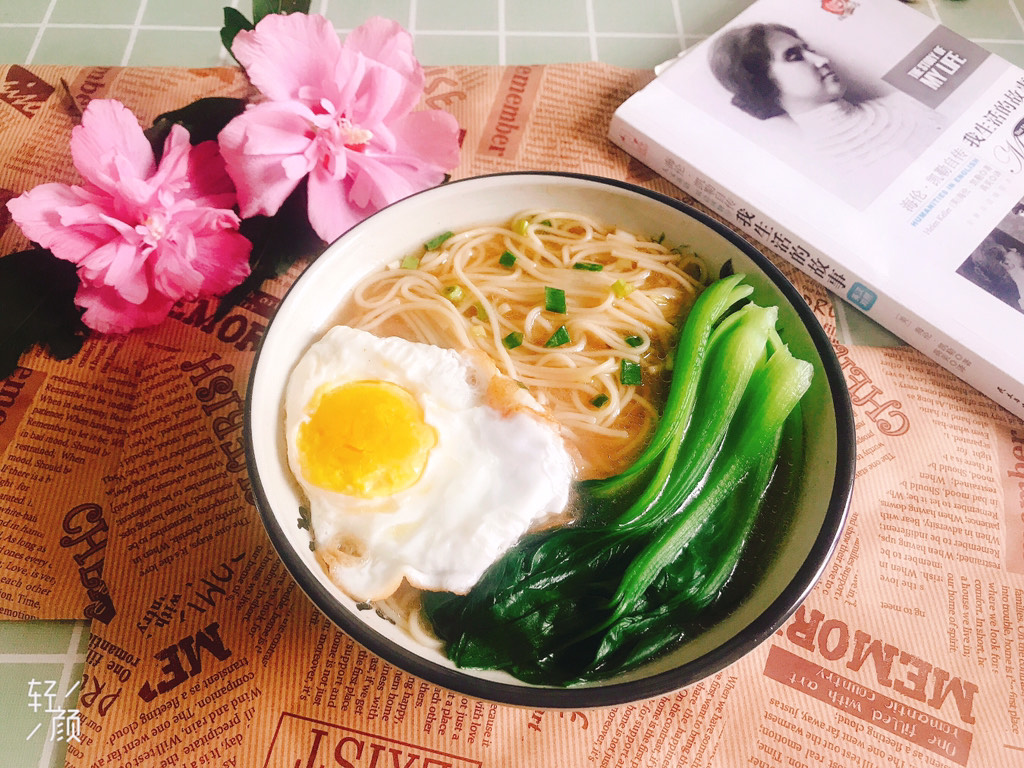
819 512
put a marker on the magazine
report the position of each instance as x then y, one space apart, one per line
875 149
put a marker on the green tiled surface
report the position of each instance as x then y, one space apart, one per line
629 33
624 32
447 15
22 11
175 13
18 42
41 667
94 12
71 45
547 50
625 18
536 16
346 15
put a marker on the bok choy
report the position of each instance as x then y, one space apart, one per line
657 547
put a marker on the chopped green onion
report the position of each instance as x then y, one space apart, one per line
481 311
600 400
659 239
519 226
589 266
454 293
635 341
631 374
558 338
554 300
513 340
507 259
433 245
621 289
546 223
411 261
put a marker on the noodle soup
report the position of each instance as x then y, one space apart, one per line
489 320
620 297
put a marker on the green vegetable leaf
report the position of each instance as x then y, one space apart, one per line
559 338
37 293
278 241
204 119
642 569
513 340
630 374
689 361
454 293
554 300
234 22
434 243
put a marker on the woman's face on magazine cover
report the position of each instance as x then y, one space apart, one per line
805 78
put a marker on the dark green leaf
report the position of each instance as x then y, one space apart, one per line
278 241
204 119
37 292
261 8
234 22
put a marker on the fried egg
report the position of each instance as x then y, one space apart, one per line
419 463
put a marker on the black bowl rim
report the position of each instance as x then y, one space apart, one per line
764 625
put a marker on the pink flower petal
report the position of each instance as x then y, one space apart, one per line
286 53
107 311
171 174
381 180
331 212
431 136
383 95
255 146
208 180
47 214
109 145
222 258
142 236
390 47
119 265
173 272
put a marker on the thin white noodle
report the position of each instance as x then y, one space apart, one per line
498 300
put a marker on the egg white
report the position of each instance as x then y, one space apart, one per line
493 475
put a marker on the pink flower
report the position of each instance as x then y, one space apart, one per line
142 235
339 113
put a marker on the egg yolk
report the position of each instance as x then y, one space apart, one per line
365 439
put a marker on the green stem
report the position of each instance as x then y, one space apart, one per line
771 396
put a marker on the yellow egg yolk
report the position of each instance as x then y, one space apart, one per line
364 438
